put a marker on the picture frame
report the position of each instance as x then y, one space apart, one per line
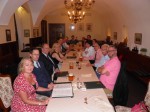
115 35
35 32
26 33
80 27
89 27
8 35
138 38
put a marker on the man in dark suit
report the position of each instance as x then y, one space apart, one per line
42 76
46 58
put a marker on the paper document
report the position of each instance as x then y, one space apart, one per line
62 90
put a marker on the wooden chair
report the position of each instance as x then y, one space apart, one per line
5 101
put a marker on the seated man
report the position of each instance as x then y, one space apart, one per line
104 58
42 76
109 72
72 40
47 60
89 52
98 56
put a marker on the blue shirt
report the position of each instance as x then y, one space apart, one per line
103 60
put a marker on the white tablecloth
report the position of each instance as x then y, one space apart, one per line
96 98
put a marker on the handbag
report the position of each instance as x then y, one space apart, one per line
141 107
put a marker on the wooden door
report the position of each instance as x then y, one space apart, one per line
56 31
44 31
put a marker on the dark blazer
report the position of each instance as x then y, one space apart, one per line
120 92
48 63
42 76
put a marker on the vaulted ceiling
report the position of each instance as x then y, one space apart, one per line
122 9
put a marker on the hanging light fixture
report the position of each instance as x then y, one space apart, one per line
77 8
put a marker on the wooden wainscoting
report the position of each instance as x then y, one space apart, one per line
9 58
34 42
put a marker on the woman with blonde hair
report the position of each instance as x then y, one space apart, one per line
56 53
25 87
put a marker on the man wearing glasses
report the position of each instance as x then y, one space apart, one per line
109 72
42 76
104 59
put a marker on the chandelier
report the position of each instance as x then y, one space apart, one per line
77 8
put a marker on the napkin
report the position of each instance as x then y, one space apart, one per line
86 75
97 103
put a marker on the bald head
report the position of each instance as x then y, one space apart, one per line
104 49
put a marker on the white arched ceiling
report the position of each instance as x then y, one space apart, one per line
47 6
2 4
8 8
36 9
118 10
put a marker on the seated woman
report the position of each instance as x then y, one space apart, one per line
25 87
56 54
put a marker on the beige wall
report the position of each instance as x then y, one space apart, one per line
3 28
24 22
97 22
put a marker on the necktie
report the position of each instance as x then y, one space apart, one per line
50 60
38 65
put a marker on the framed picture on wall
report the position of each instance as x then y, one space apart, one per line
8 35
115 35
26 33
80 27
89 27
138 38
35 32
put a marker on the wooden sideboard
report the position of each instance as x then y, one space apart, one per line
9 58
137 64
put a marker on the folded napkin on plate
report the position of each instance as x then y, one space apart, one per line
98 104
86 75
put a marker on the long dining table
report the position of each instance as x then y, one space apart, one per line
96 99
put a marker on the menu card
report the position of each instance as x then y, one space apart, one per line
61 90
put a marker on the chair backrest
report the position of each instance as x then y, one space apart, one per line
120 92
6 92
